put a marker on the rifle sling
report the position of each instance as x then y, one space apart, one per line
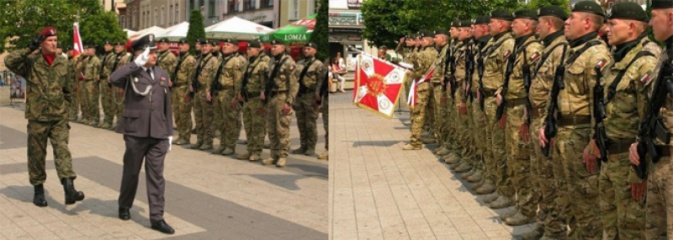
612 90
274 72
304 71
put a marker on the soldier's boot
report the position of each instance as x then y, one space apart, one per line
475 177
299 150
410 147
267 145
280 163
534 234
451 158
486 188
429 140
228 151
113 127
477 185
268 161
519 219
463 167
443 151
501 202
437 150
310 152
99 125
196 145
71 194
254 157
426 134
490 198
465 175
218 150
509 214
243 156
206 146
106 126
181 142
217 133
193 131
324 155
38 198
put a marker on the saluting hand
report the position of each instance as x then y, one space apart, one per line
142 59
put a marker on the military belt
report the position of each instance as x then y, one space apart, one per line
665 151
536 113
253 94
577 120
279 91
227 88
516 102
489 92
619 146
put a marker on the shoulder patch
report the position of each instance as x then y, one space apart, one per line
600 64
292 67
645 78
507 53
534 56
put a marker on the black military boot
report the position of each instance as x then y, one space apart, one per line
71 195
38 198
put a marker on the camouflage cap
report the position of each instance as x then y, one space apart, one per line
230 40
554 11
485 19
202 41
425 33
254 44
502 14
661 4
163 40
276 42
464 23
311 44
588 6
525 13
182 40
627 10
108 42
441 31
455 23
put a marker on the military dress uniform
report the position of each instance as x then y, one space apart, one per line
203 110
308 73
226 100
106 90
283 90
254 115
423 63
48 94
550 220
186 65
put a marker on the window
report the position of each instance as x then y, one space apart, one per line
191 4
232 6
170 16
156 17
248 5
211 8
177 13
266 3
294 10
310 7
161 16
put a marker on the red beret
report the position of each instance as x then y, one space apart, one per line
48 31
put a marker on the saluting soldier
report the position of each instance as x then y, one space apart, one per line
106 90
659 177
308 72
181 76
544 172
47 98
252 86
226 99
282 88
586 52
202 100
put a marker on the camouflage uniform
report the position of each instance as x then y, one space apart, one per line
422 64
573 130
253 109
79 75
303 105
73 110
527 52
183 109
168 62
439 96
203 110
545 173
477 114
622 216
499 48
230 81
47 98
461 123
91 92
283 92
106 89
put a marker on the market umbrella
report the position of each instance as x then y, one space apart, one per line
237 28
299 31
175 33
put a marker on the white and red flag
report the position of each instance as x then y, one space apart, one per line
378 85
412 98
77 47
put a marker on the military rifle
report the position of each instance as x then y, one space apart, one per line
550 121
600 136
244 84
174 76
270 83
469 70
302 87
216 86
526 86
447 61
480 71
500 111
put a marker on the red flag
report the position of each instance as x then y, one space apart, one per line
77 47
411 101
378 85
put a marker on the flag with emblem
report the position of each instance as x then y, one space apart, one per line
77 47
378 85
412 98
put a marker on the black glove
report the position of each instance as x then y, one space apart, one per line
35 43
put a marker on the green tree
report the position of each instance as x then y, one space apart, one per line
319 35
510 5
535 4
100 27
196 28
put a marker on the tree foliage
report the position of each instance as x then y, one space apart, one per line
319 35
196 29
21 20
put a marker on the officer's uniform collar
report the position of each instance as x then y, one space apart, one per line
551 37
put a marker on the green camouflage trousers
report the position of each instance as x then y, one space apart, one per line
518 162
183 112
478 132
203 116
73 108
449 131
278 126
429 119
107 100
418 113
306 120
324 109
465 144
547 189
227 116
496 161
90 104
438 113
254 123
582 188
622 216
57 132
660 200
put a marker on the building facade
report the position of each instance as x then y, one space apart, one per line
263 12
345 29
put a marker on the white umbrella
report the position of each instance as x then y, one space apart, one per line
237 28
140 33
175 32
129 32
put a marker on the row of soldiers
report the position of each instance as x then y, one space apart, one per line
537 111
220 86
